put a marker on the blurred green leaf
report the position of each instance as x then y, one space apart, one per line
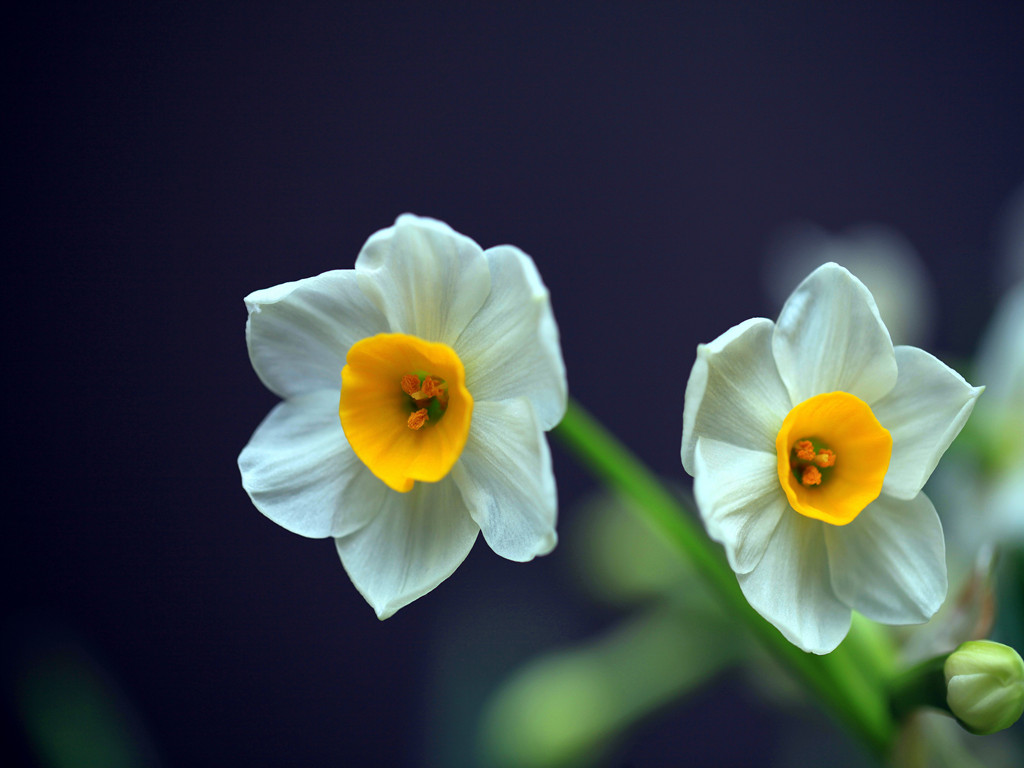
567 708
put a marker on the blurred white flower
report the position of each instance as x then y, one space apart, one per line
417 389
882 258
809 441
1000 365
987 484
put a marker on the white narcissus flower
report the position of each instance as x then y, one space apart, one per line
809 441
417 388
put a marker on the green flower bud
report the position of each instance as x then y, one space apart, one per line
985 686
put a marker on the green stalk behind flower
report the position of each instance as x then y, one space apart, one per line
838 679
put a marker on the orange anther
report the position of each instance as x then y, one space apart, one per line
811 476
430 387
825 458
410 384
417 419
804 450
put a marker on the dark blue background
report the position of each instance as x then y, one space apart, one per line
162 161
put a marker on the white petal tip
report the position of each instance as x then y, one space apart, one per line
547 546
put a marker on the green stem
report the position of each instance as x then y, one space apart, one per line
923 685
836 678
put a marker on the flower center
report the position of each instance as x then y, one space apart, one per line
428 397
405 408
808 461
832 457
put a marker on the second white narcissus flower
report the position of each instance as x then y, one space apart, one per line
417 388
809 441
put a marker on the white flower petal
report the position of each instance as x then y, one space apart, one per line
299 471
298 333
924 412
790 587
890 563
427 279
510 348
416 541
506 480
734 393
829 337
738 494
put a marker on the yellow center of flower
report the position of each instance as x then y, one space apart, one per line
405 408
832 457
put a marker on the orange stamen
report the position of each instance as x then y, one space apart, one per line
811 476
804 450
825 458
431 388
410 384
417 419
